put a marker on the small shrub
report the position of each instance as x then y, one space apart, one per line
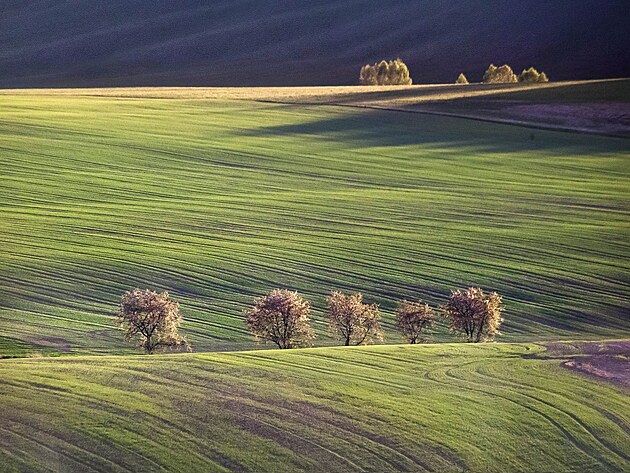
393 72
462 80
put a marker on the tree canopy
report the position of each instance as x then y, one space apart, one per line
533 76
281 317
354 322
412 318
151 319
475 314
499 75
393 72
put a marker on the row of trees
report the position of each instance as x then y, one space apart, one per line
396 72
283 317
505 74
152 319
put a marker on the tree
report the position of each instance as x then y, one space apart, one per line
152 319
367 76
281 317
499 75
353 321
412 318
531 75
474 313
462 80
393 72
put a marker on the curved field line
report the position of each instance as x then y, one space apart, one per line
580 444
569 414
72 459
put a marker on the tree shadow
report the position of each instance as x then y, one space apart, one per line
374 127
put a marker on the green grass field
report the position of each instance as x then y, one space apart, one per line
219 196
218 201
448 408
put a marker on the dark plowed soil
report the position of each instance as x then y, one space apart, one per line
609 361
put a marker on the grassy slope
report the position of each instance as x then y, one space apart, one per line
493 408
218 201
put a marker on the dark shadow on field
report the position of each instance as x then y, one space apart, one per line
598 107
612 92
604 91
421 94
369 127
617 90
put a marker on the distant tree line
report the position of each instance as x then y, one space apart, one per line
505 75
396 72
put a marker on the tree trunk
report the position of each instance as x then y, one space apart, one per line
480 329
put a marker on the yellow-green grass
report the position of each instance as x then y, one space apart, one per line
451 407
218 201
565 91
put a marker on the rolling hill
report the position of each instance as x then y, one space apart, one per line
221 194
218 198
300 42
447 408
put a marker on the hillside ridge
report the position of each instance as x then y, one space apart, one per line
300 42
